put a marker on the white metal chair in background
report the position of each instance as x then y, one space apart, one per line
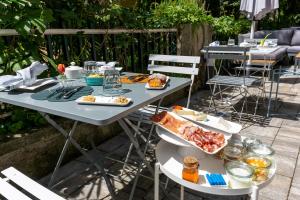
26 189
170 64
240 84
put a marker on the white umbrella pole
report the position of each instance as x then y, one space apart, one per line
253 25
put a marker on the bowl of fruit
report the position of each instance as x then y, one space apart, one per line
94 79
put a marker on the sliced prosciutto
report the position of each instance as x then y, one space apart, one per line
207 140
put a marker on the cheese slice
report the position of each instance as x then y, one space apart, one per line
185 112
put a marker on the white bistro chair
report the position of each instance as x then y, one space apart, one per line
26 189
170 64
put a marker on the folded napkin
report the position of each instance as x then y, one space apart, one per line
214 44
30 73
25 76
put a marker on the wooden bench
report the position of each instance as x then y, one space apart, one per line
17 186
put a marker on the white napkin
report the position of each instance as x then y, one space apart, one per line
214 44
30 73
25 76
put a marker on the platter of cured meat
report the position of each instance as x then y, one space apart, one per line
187 132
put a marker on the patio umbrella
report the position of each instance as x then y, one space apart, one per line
257 9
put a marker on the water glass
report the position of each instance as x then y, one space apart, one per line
89 67
231 42
112 82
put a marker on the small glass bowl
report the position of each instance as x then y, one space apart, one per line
261 150
248 142
257 161
239 174
260 165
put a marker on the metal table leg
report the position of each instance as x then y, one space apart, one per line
133 140
144 152
156 182
70 140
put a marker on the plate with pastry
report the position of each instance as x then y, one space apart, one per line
157 82
106 101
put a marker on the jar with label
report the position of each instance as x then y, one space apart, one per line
190 169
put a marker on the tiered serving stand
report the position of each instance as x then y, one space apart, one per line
170 152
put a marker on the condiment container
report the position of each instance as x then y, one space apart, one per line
261 150
236 141
232 153
248 142
190 169
73 72
239 174
260 165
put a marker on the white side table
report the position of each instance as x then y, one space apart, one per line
169 162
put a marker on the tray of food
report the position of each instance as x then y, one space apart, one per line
157 82
216 123
208 141
102 100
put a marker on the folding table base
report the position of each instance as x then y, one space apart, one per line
70 140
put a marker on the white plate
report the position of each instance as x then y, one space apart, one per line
119 68
176 139
215 123
38 84
101 100
158 88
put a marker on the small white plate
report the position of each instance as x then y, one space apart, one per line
38 84
216 123
158 88
105 101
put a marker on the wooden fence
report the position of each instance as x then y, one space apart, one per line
128 46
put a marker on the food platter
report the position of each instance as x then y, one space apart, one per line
158 88
102 100
211 122
177 139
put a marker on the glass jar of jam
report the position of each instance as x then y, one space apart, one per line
190 169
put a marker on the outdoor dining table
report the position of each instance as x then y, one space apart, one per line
96 115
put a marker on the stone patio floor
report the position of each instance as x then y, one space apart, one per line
79 180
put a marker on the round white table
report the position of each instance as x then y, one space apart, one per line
169 162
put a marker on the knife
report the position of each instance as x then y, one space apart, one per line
70 93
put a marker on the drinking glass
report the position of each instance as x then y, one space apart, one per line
112 83
231 42
89 67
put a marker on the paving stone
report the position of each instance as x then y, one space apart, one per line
285 165
278 189
291 132
291 123
276 122
269 132
294 193
69 170
287 140
285 149
296 178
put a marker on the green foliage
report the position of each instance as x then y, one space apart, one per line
20 119
29 18
228 26
172 13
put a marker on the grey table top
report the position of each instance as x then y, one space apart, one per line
95 114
